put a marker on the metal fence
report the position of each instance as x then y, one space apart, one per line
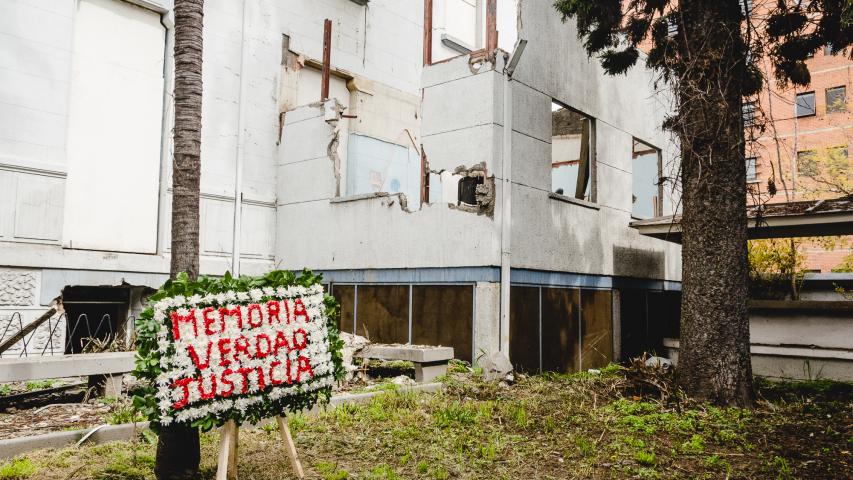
90 335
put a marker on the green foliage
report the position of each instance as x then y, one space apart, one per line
775 267
5 389
124 414
614 31
645 458
330 471
39 385
17 469
148 356
455 414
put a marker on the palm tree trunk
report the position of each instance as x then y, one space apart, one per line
178 449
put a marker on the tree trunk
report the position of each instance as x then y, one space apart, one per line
714 359
178 449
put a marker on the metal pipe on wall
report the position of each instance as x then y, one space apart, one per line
241 140
506 213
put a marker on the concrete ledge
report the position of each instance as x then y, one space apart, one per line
113 433
108 433
800 305
58 366
408 353
575 201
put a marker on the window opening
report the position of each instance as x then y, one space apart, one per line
571 152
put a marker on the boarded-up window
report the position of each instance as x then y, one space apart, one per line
443 315
560 329
383 313
596 328
115 115
345 295
524 328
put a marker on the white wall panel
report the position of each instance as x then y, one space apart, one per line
114 128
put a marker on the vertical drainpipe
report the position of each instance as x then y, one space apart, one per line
168 22
241 139
506 211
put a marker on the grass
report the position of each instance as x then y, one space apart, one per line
542 427
17 469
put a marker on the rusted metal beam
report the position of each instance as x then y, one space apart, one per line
424 177
491 26
427 32
327 59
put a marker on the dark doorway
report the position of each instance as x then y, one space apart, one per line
94 313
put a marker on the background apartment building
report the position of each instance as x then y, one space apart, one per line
804 142
395 187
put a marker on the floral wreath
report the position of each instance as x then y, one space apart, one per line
246 348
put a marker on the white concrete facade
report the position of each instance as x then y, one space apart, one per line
85 177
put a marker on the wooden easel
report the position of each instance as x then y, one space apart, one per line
226 468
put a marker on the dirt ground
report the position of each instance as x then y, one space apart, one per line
541 427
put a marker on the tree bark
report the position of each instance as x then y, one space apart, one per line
178 449
714 360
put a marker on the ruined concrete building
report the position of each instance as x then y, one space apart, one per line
397 184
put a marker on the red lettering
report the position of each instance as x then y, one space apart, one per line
231 312
224 346
185 399
255 308
258 352
197 360
273 309
271 376
224 380
280 342
286 310
208 321
207 395
299 310
303 365
261 383
177 319
241 345
299 345
245 373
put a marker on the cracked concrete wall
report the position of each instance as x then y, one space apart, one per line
463 123
364 231
553 234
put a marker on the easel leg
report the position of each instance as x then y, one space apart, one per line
290 446
226 466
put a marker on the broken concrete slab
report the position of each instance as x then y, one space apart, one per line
59 366
409 353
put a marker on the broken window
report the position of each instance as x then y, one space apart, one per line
97 317
805 104
748 112
751 175
468 190
377 166
836 99
571 152
646 186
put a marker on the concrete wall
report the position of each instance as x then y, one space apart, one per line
561 234
801 340
45 56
